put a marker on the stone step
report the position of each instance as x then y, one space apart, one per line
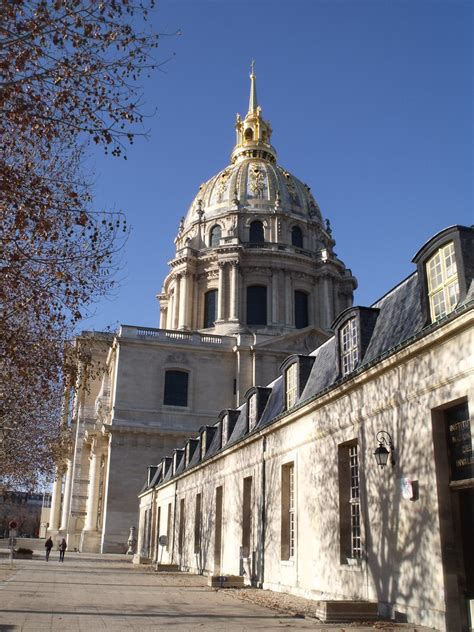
335 611
225 581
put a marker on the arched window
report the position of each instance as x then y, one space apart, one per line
297 237
210 308
256 234
248 134
256 305
176 388
215 236
301 309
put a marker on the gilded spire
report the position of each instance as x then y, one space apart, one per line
253 89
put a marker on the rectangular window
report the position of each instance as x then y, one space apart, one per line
203 444
291 380
158 521
176 388
197 525
181 527
349 346
288 526
252 404
224 430
349 503
443 287
247 516
168 528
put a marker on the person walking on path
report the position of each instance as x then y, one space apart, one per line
48 546
62 550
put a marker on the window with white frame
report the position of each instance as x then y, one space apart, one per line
355 501
224 430
252 412
288 518
291 384
349 346
443 286
349 502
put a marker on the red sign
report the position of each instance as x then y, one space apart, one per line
12 524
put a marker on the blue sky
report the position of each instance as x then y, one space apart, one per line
371 106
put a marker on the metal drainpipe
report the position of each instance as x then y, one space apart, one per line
263 515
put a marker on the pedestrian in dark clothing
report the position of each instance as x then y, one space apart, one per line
62 550
48 546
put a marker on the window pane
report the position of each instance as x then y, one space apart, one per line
256 305
215 236
256 234
301 310
291 385
252 411
443 287
210 308
349 346
297 237
176 388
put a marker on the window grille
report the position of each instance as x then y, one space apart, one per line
356 548
291 385
349 346
443 286
288 513
291 510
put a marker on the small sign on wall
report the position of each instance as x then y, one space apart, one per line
409 488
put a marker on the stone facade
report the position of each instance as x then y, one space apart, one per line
288 494
254 279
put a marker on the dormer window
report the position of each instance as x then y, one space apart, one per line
203 445
349 346
443 286
224 430
252 404
295 371
291 382
257 398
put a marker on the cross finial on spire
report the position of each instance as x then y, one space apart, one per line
253 88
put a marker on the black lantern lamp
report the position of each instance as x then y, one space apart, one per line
385 449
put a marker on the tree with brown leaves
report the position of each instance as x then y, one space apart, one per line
69 75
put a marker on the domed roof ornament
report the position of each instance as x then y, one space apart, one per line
253 133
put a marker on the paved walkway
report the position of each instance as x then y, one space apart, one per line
89 593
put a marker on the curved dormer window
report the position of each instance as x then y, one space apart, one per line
349 346
443 286
215 236
297 237
256 233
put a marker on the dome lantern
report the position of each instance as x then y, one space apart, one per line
253 133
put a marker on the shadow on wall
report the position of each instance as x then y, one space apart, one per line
398 536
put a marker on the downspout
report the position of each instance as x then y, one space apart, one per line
263 516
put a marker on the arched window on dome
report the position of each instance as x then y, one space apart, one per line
256 305
248 134
210 308
297 237
301 309
215 236
256 233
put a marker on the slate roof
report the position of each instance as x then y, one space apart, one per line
400 318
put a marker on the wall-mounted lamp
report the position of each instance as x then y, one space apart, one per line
385 449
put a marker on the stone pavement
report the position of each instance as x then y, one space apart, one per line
89 593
